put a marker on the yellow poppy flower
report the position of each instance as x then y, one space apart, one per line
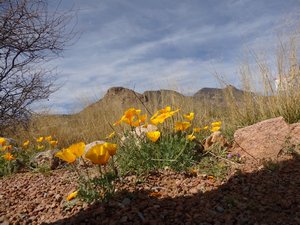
66 155
159 119
165 110
8 156
135 123
48 138
185 125
214 129
197 129
53 143
40 147
72 195
205 128
131 117
153 136
142 118
40 139
111 148
216 124
77 149
191 137
161 115
190 116
182 126
26 144
130 113
7 147
98 154
2 141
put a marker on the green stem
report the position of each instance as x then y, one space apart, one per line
113 166
77 172
86 169
182 150
100 171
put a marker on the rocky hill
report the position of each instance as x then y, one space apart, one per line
218 95
120 98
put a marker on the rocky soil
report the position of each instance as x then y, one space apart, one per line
260 196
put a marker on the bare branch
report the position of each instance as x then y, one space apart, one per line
29 37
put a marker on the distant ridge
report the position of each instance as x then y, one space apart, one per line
122 98
218 94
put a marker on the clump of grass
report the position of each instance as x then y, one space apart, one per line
173 151
98 188
175 147
214 162
43 169
261 98
270 165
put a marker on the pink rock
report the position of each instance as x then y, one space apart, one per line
295 134
266 139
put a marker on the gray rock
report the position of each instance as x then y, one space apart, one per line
126 201
139 133
219 209
46 158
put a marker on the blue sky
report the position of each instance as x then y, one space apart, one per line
162 44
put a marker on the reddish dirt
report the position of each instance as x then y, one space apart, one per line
266 196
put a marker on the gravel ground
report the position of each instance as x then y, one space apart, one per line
260 197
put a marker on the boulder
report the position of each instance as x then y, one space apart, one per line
46 158
294 137
139 133
265 140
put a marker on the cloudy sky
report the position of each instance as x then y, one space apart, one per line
161 44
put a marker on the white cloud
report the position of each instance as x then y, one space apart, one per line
152 44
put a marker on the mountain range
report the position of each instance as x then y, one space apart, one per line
120 98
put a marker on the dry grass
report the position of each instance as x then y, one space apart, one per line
267 102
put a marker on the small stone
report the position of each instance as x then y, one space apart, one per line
219 209
194 190
124 219
4 220
58 197
141 216
126 201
